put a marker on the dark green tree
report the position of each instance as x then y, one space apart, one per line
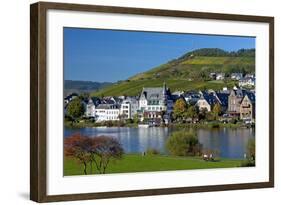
202 115
75 108
191 112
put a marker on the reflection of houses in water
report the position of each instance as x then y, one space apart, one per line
154 138
126 140
208 139
229 142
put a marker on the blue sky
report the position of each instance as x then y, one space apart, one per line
109 56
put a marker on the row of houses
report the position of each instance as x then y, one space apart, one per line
236 103
248 80
156 104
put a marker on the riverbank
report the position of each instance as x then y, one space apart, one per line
149 163
85 124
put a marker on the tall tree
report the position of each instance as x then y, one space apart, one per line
180 108
192 112
75 108
217 110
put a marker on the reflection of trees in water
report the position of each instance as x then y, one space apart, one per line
228 141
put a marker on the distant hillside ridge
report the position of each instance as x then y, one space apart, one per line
217 52
77 86
198 63
190 71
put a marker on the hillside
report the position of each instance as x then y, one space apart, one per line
190 71
75 86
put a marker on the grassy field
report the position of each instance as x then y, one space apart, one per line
148 163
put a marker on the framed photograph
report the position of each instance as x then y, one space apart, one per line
135 102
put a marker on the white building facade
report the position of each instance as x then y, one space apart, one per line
107 112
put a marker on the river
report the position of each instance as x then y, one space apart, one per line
230 142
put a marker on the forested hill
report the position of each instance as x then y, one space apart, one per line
217 52
76 86
189 71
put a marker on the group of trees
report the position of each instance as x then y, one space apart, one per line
216 52
89 151
182 112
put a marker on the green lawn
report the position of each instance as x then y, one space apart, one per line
138 163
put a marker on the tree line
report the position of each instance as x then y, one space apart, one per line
217 52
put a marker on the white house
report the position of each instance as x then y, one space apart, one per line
207 100
153 102
203 104
107 112
125 110
236 76
220 76
153 99
129 107
90 110
248 81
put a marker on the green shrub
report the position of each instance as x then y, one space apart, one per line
215 125
233 121
152 151
248 163
129 121
183 143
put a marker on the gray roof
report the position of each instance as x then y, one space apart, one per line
241 94
223 97
250 95
210 98
152 93
107 106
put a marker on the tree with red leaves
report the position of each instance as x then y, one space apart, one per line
98 150
103 150
79 147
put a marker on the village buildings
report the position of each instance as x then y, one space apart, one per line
156 104
247 108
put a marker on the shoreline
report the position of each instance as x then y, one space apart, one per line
210 125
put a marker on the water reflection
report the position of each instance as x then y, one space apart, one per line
231 143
